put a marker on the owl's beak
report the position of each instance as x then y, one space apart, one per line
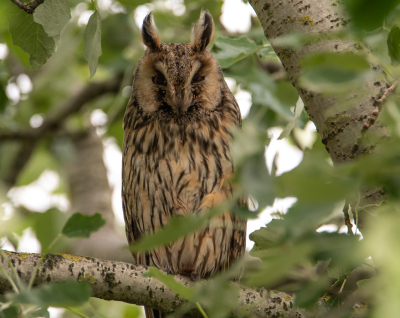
181 101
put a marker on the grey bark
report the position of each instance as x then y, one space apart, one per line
91 193
343 130
112 280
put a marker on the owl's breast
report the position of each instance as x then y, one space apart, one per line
186 168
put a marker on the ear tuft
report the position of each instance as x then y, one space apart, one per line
203 31
150 36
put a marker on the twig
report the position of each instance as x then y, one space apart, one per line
28 7
347 218
389 91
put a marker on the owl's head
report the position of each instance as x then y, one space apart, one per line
178 81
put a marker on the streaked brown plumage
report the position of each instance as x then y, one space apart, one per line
176 155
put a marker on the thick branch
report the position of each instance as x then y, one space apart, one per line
28 7
342 129
111 280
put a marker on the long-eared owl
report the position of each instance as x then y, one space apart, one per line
176 153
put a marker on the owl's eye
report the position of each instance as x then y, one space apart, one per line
159 80
197 79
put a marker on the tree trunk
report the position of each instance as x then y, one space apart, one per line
344 130
91 193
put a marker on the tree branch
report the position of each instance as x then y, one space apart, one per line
111 280
30 137
28 7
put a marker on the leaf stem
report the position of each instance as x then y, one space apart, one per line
76 312
203 313
13 285
36 270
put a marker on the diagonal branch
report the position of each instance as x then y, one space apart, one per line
28 7
111 280
31 136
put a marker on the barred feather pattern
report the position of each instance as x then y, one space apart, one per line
176 164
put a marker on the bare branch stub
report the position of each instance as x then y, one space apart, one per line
28 7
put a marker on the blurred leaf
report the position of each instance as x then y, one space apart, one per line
334 72
286 93
311 292
65 294
257 181
217 296
171 283
292 122
47 226
30 37
315 181
52 15
267 52
244 212
242 149
93 42
40 312
10 312
270 236
393 43
229 51
369 14
80 225
278 261
3 98
293 40
177 228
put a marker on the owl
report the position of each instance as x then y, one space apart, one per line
176 153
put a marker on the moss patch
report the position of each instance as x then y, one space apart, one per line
306 21
71 257
87 278
334 125
22 256
291 19
286 53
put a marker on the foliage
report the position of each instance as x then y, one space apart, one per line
294 256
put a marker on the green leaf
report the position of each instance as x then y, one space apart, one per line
292 122
52 15
229 51
3 98
315 181
334 72
30 37
168 280
393 43
369 14
257 181
65 294
177 228
40 312
93 42
270 236
80 225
